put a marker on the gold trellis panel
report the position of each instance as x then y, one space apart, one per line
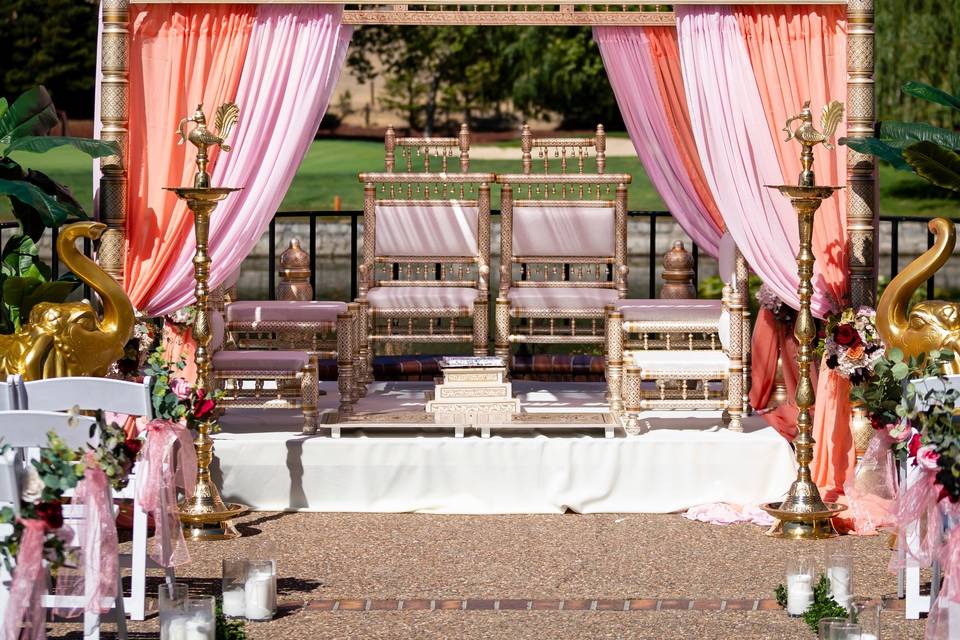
861 176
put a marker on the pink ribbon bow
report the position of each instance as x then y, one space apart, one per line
918 505
157 490
24 609
99 546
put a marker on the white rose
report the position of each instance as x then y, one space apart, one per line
32 485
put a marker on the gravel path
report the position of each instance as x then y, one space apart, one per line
359 559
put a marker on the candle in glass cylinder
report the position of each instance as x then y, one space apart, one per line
799 585
260 590
199 620
840 574
234 579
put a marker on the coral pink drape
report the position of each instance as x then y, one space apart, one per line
799 53
665 59
180 56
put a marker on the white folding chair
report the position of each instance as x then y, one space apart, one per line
117 396
21 430
8 400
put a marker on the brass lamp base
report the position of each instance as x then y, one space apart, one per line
812 525
213 525
204 515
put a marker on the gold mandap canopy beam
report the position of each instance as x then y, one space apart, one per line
861 181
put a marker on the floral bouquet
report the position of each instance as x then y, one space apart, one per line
852 345
175 398
184 316
146 332
781 311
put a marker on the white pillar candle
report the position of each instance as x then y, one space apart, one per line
173 626
799 593
234 602
867 636
199 627
260 591
839 577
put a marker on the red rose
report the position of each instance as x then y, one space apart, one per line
877 421
201 394
914 445
846 335
51 513
202 408
133 446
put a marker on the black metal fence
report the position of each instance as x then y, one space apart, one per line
897 223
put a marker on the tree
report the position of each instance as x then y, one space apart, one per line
53 43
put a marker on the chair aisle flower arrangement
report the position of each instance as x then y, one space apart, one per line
563 244
424 272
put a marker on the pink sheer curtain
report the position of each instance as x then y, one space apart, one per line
293 61
626 55
739 157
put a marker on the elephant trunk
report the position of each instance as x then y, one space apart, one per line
892 319
118 314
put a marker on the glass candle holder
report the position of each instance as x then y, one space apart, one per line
840 574
172 603
825 624
846 631
234 581
799 585
260 590
200 622
867 615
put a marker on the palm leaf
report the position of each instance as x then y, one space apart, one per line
931 94
51 212
3 105
900 134
879 148
938 165
41 144
31 114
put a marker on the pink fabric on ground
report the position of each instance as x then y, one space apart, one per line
292 65
626 55
723 513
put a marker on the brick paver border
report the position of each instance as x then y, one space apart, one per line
570 604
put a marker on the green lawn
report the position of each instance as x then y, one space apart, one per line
330 169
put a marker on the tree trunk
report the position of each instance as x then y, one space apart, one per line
431 110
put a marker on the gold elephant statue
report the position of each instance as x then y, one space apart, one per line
69 338
931 324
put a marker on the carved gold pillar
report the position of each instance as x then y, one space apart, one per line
861 200
114 105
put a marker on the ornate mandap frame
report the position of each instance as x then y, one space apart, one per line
862 206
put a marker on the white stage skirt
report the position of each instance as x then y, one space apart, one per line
681 460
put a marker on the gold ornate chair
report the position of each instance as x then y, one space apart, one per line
693 352
563 245
425 268
268 352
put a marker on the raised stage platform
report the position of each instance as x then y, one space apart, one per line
682 459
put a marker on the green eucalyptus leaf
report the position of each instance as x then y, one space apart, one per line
895 355
900 371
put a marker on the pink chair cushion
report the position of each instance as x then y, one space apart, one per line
446 298
254 311
217 331
284 361
561 298
563 231
447 228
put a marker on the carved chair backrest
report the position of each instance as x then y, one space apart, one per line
426 229
563 231
563 150
414 151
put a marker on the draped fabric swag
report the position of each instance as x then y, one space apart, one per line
284 62
725 80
